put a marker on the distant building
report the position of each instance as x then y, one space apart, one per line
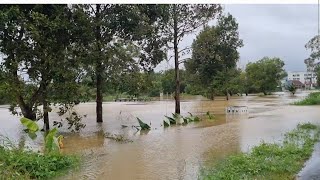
308 79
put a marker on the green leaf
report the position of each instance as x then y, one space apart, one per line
32 135
186 120
51 141
143 125
210 116
171 120
32 126
166 124
196 118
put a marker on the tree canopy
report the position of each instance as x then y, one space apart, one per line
265 74
215 54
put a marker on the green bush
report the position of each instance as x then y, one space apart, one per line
311 99
269 160
19 164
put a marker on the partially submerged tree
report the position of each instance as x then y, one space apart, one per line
186 19
265 74
292 88
36 41
105 24
215 54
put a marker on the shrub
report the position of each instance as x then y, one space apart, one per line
311 99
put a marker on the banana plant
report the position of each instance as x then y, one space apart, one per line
165 123
143 125
52 142
171 120
210 116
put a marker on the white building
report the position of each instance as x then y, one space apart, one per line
304 77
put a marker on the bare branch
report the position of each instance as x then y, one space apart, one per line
183 60
184 49
92 8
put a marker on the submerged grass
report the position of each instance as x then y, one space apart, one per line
311 99
25 164
269 160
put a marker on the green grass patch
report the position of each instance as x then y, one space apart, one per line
311 99
22 164
269 160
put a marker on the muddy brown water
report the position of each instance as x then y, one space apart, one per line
176 152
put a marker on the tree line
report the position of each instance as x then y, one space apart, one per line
64 54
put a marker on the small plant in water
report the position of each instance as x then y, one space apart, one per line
210 116
143 125
171 120
165 123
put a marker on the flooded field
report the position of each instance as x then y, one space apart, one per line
176 152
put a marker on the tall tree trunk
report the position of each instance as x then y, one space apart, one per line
227 95
46 115
176 60
99 69
99 97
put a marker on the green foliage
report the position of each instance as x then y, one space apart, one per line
311 99
51 140
39 41
143 125
32 126
73 119
265 74
194 118
307 126
165 123
292 89
171 120
214 57
210 116
19 164
313 46
270 160
168 81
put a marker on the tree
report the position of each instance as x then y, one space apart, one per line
185 19
107 23
215 54
292 88
314 46
317 71
36 41
265 74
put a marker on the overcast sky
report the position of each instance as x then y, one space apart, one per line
270 30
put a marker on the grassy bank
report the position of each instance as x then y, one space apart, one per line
311 99
19 164
269 160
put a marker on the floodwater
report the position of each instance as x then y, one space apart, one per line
176 152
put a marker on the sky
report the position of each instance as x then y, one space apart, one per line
270 30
